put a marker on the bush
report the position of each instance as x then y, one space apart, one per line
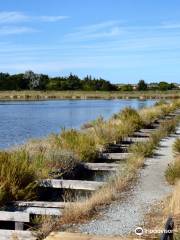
132 117
17 177
144 149
168 126
81 145
173 171
176 146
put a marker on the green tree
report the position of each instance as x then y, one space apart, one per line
163 86
142 86
127 87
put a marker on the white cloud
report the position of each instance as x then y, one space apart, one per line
12 17
9 30
98 26
52 18
170 25
100 30
19 17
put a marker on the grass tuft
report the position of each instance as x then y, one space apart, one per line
17 177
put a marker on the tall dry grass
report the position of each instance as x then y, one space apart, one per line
84 210
17 177
173 170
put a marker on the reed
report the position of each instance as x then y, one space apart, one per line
84 210
173 170
87 144
176 146
17 177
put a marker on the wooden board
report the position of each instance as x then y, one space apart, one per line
14 216
137 139
43 211
116 156
141 134
102 166
41 204
71 184
16 235
79 236
148 130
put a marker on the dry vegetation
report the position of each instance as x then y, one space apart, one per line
173 171
171 205
82 210
44 95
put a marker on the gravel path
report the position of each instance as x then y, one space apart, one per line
124 216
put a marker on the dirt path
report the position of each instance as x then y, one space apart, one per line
124 216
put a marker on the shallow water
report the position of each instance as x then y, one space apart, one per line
21 120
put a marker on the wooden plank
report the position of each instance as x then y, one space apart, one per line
80 236
102 166
41 204
116 156
71 184
19 225
14 216
137 139
148 130
14 234
141 134
43 211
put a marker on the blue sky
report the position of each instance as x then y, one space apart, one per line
119 40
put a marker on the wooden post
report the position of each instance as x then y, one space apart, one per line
19 226
168 233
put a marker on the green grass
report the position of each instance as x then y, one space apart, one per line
17 177
176 146
173 170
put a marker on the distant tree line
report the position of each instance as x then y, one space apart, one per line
143 86
33 81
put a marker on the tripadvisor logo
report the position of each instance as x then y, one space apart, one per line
139 231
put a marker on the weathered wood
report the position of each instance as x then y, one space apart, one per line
71 184
80 236
14 216
102 166
116 156
43 211
168 233
14 234
155 126
41 204
137 139
19 225
148 130
141 134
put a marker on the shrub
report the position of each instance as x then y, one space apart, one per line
173 171
17 177
132 117
82 145
144 149
149 115
168 126
176 146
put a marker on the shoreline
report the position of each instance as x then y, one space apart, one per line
85 95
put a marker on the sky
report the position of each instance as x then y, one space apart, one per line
119 40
